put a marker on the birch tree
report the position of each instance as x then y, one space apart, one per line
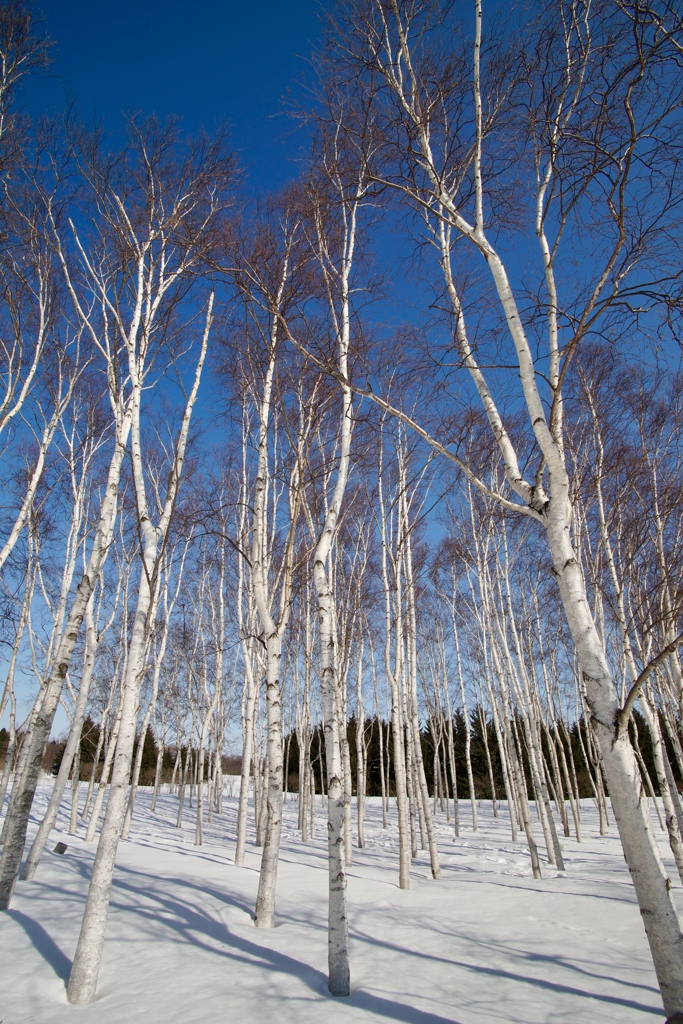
335 253
271 275
590 93
162 207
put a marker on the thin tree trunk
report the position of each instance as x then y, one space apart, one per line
265 900
86 964
360 751
75 779
71 755
524 807
181 787
468 728
104 778
161 746
40 733
670 816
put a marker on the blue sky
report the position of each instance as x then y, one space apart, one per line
210 61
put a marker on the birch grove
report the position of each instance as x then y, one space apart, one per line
363 492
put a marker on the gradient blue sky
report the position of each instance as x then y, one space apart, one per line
210 61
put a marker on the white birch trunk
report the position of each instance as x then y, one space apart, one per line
72 749
85 969
247 756
168 611
160 737
40 733
652 886
265 900
249 689
360 752
396 714
413 721
338 951
466 716
86 964
104 777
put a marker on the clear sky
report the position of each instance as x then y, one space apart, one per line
209 60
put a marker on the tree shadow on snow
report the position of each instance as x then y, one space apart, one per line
551 986
383 1007
44 943
627 896
188 921
221 897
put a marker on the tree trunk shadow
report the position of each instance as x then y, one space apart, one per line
44 943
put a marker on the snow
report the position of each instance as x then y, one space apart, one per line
485 944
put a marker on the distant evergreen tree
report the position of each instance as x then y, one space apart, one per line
149 758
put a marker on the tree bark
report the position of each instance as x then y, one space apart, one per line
69 756
40 733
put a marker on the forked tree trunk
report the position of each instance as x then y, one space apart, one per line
86 964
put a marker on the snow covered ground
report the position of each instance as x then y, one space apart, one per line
487 943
